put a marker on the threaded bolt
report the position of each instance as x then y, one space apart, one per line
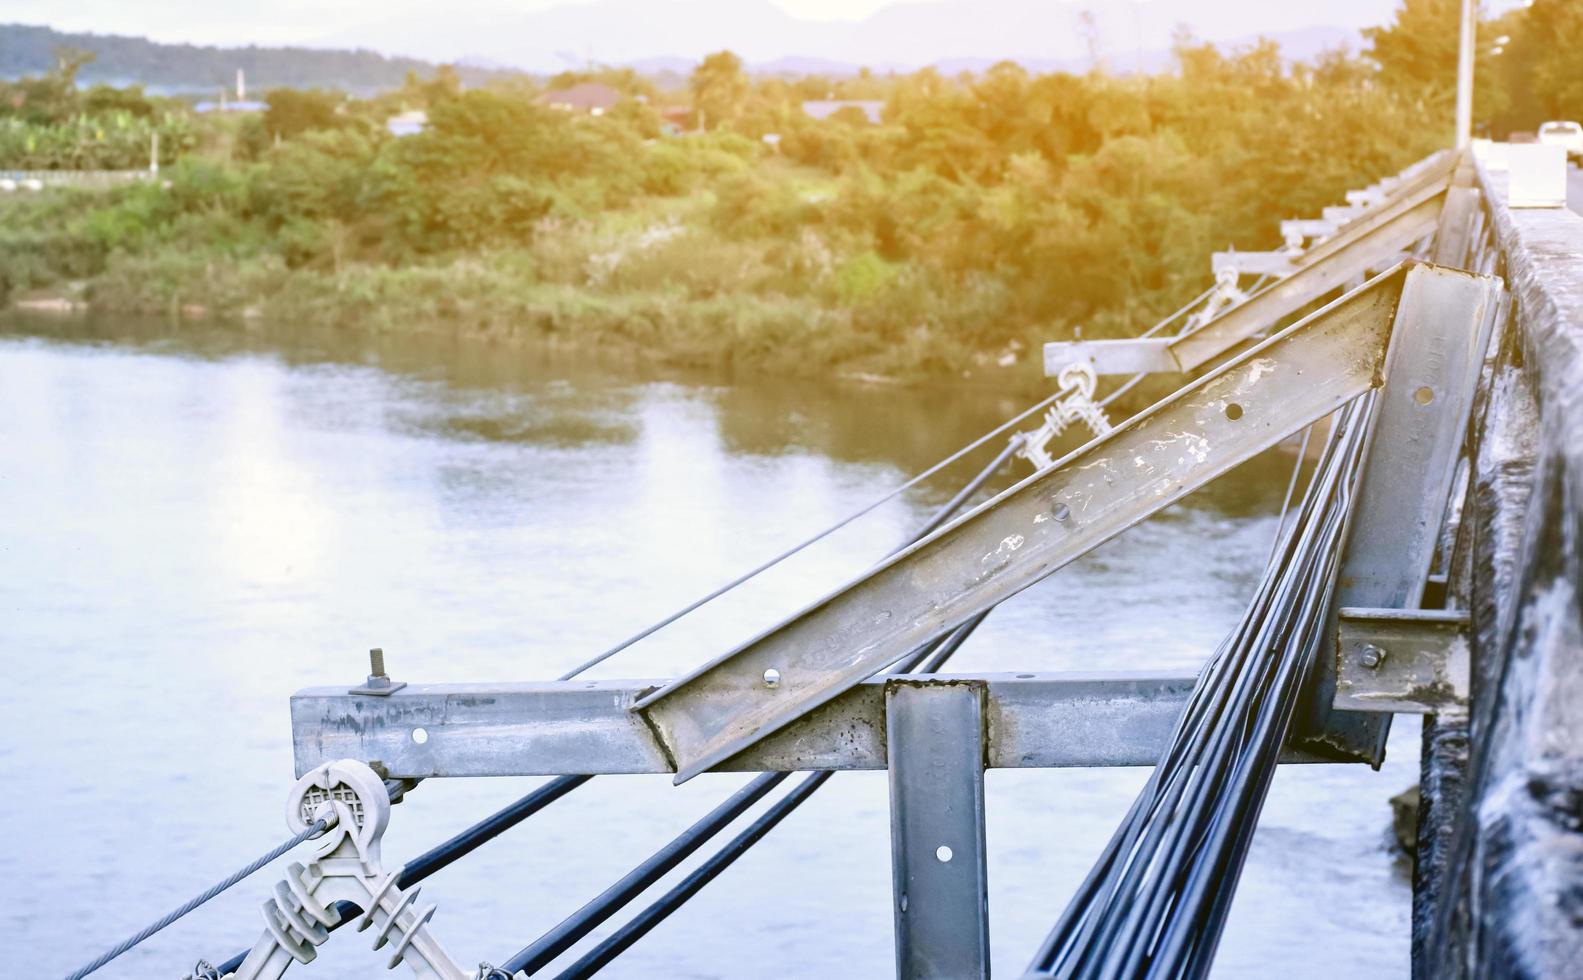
1373 656
376 662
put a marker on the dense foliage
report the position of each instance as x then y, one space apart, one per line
50 123
983 215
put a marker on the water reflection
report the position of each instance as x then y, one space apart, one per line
204 519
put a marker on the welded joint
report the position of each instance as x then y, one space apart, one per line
978 685
1402 661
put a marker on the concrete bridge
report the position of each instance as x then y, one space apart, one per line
1432 566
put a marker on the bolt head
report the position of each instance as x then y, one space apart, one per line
1372 656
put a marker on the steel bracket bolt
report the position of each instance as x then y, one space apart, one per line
379 684
1372 656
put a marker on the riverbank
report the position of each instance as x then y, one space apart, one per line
654 281
498 296
970 225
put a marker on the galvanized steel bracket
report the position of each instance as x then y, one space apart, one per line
935 742
1420 428
1403 661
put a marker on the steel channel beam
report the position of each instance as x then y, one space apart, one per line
1419 428
1454 239
1404 661
934 735
1121 718
1029 531
1408 195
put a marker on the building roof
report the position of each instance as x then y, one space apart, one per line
408 123
239 105
583 97
825 108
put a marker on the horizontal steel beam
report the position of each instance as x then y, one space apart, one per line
1308 228
1402 661
1121 718
1256 263
1133 355
1097 492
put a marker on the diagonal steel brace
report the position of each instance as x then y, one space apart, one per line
1095 493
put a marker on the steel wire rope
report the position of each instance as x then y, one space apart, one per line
869 507
315 829
931 655
925 659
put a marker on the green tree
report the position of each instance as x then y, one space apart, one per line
293 112
48 98
1555 31
719 88
1418 49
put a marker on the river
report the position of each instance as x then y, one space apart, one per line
200 520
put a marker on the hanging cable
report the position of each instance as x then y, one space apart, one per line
1185 308
315 829
588 918
872 505
622 939
843 522
1155 903
1291 487
926 659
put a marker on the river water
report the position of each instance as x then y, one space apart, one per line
198 521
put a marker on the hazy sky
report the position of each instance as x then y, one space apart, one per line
516 32
302 21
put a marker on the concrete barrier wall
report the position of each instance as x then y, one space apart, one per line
1520 908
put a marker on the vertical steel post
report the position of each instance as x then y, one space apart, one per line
1469 31
935 742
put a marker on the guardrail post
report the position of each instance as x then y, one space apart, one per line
935 744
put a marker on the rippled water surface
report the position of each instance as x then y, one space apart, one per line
195 523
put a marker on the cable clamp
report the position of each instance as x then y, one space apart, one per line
354 804
1077 381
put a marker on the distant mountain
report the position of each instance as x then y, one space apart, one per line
29 50
667 37
903 36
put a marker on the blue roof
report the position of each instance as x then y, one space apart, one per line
241 106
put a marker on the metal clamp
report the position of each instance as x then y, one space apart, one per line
1077 380
351 798
1403 661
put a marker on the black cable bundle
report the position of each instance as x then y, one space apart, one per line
1156 901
